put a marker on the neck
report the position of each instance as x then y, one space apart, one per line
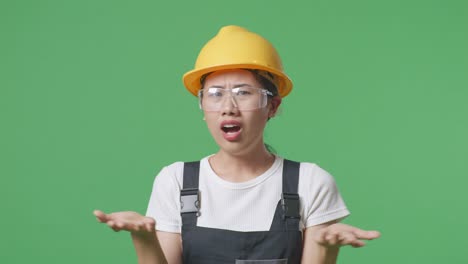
240 168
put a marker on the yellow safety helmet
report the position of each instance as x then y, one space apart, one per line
235 47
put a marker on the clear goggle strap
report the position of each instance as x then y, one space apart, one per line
200 97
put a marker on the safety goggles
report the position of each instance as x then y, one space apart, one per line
243 98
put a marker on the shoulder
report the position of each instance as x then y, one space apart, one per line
171 174
311 173
316 185
175 168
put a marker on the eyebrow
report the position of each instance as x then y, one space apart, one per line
235 86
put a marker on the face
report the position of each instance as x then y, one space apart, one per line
237 132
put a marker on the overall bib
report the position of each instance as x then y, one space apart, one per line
280 245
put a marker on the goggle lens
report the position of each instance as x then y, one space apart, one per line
243 98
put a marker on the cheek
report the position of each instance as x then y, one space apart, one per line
258 120
211 123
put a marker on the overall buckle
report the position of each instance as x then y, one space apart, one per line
190 201
290 205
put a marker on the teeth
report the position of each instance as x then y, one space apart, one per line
229 126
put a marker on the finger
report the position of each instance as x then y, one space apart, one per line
116 226
100 216
138 226
369 235
111 224
145 226
331 239
149 227
119 225
150 220
357 243
323 236
347 238
360 233
150 224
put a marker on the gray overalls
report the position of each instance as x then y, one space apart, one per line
281 244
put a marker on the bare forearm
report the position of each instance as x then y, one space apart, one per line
332 256
148 249
320 255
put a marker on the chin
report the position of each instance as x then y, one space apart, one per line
231 147
236 148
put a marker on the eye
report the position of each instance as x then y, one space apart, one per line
243 92
215 92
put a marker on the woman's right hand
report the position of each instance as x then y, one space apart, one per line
129 221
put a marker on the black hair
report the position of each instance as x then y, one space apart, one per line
266 82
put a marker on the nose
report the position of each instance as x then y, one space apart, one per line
229 106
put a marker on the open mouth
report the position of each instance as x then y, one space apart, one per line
230 128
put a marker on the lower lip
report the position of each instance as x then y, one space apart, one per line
232 136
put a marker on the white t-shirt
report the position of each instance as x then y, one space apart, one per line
245 206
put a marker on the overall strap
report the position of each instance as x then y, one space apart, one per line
290 197
290 176
190 195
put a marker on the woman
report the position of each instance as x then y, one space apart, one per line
242 204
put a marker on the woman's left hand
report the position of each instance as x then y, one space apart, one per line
338 234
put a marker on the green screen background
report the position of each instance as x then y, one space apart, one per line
92 107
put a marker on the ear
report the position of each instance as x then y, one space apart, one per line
274 105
